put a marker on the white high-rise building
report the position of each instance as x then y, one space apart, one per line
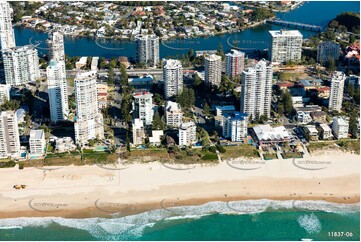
340 127
172 77
213 70
336 94
286 45
56 46
37 142
58 91
173 114
234 63
147 49
138 131
4 93
256 90
143 107
235 126
326 50
7 37
9 135
89 122
21 65
187 134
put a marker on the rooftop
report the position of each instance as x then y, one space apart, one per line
36 134
146 36
142 95
235 53
338 76
187 125
278 33
340 120
172 64
325 127
82 60
236 115
226 108
213 57
309 108
311 128
172 106
146 78
266 132
81 75
156 136
309 83
137 123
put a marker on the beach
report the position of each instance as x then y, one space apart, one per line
100 191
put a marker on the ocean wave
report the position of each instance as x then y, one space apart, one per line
121 228
310 223
11 227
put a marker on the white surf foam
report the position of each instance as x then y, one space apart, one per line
310 223
134 225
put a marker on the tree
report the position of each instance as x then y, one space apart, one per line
329 35
350 20
352 39
113 63
197 80
203 134
262 13
226 84
263 118
157 123
91 142
186 98
191 97
102 63
206 109
158 99
220 51
333 24
280 109
111 75
287 102
353 126
127 141
330 65
10 105
190 54
123 75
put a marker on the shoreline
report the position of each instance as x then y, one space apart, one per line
120 40
94 212
95 191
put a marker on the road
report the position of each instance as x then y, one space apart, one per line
116 71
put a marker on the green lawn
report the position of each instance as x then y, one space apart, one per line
270 156
66 159
240 151
6 163
350 145
288 155
345 145
314 146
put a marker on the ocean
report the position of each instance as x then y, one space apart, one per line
240 220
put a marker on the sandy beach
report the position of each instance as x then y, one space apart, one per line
98 191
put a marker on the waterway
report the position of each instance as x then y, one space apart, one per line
257 38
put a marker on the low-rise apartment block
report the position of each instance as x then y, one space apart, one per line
187 134
138 131
37 143
340 127
173 114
